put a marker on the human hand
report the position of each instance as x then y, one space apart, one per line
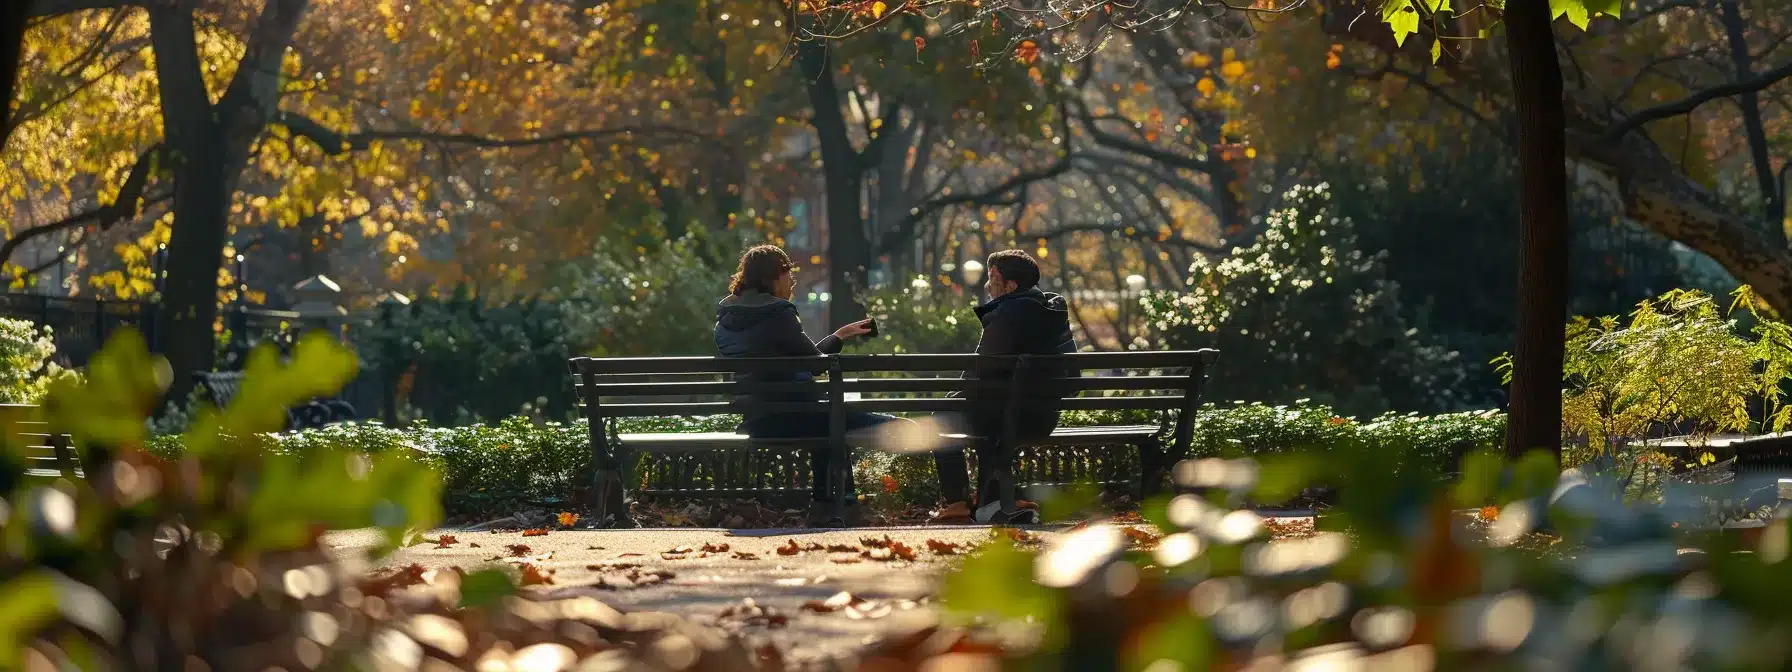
859 328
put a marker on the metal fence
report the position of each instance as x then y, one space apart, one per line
80 328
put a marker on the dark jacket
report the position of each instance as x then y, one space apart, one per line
1029 322
756 324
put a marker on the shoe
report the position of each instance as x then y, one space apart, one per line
992 514
954 513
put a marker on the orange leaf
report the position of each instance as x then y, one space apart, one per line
1027 52
537 532
568 519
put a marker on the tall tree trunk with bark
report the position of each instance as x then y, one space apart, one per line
849 253
1535 419
12 42
196 157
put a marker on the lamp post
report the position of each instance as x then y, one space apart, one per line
971 272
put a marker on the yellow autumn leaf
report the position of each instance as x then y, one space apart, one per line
1205 86
1198 60
1232 69
877 10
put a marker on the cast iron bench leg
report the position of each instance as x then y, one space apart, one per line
1153 465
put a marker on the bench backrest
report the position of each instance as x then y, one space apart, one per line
1146 380
46 454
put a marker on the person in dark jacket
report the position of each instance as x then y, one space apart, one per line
757 319
1018 319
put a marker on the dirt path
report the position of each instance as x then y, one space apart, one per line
704 585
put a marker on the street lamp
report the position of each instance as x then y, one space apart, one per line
971 272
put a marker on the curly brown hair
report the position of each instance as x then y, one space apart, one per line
759 269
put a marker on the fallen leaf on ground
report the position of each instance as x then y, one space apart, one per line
446 540
397 578
518 550
1016 535
846 561
537 532
896 550
715 548
874 542
743 555
594 548
842 548
790 548
473 544
533 575
628 555
612 567
942 547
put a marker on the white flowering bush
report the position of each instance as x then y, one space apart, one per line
26 369
921 318
1303 312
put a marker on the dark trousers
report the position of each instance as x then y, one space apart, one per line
812 425
952 467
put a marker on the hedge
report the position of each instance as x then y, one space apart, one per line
518 461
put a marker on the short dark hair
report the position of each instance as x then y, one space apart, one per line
759 269
1017 267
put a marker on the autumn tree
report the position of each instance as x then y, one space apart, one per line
279 116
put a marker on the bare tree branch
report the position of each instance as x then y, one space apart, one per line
1692 102
127 204
1132 232
333 143
48 8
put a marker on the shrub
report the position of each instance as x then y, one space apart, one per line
459 359
26 366
921 318
520 462
1311 315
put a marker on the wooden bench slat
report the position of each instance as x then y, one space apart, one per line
1084 361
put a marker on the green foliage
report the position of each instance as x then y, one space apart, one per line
632 303
25 367
1681 360
920 318
459 360
1309 314
1413 583
222 512
521 461
1426 446
1457 283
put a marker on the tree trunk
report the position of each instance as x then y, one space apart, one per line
849 253
12 42
1774 224
1536 403
196 156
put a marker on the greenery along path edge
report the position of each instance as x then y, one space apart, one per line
520 463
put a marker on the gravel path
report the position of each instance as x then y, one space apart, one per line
704 586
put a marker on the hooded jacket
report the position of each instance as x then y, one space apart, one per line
756 324
1027 322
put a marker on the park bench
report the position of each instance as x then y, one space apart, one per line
614 388
220 387
46 455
